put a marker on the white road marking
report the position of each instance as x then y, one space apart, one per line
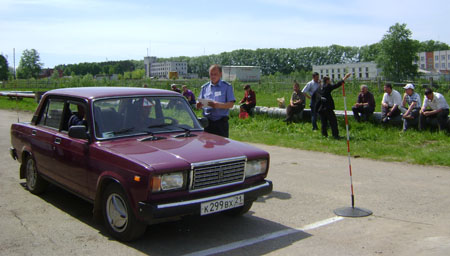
251 241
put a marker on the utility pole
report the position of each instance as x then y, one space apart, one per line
14 61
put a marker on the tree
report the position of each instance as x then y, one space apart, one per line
431 46
29 65
3 68
397 53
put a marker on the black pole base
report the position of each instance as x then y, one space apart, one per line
352 212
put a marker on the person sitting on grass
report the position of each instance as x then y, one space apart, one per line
249 100
296 104
390 104
434 107
365 104
411 100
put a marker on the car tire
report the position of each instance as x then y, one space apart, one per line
35 183
118 216
239 211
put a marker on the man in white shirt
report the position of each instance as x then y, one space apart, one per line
390 104
410 106
434 107
309 91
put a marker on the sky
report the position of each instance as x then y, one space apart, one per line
74 31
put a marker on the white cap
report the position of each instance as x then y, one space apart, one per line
409 86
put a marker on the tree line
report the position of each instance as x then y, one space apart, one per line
394 53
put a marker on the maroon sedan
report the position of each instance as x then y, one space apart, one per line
139 155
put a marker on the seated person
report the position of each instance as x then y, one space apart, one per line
189 96
296 104
434 107
249 100
410 106
365 104
145 108
78 118
390 104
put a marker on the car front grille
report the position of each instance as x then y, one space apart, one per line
217 173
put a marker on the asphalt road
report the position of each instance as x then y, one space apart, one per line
410 204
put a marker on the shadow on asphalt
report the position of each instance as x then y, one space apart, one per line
191 234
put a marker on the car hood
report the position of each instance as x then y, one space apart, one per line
178 153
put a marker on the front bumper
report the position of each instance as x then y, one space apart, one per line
149 211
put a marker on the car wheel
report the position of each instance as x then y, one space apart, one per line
235 212
35 183
118 216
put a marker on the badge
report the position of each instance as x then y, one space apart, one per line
217 94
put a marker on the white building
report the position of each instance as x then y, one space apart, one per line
360 70
241 73
436 62
162 69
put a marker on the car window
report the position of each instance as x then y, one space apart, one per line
133 116
52 114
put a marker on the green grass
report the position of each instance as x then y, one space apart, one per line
367 140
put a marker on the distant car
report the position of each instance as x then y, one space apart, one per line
139 155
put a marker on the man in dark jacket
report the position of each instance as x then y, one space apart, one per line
364 105
325 105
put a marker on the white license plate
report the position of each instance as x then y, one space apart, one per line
221 204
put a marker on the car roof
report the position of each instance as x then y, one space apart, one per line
105 92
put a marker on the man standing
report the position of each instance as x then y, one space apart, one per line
411 100
296 104
390 104
309 90
220 98
439 109
325 105
365 104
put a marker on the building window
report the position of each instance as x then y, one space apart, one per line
321 71
353 70
443 65
422 66
332 70
422 58
443 57
367 75
338 70
367 69
339 76
326 71
436 65
360 75
436 58
332 76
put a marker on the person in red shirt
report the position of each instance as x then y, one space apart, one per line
249 100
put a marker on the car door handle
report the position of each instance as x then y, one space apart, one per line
33 132
58 141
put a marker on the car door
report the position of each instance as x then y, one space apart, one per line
72 155
43 136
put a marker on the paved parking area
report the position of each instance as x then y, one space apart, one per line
411 206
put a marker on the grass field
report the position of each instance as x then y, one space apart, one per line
368 140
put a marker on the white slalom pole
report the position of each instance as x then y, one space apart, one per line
348 144
350 211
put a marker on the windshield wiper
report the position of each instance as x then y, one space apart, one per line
126 130
151 137
187 133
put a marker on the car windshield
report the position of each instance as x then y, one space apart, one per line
131 116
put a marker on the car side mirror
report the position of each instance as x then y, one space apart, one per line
78 132
203 122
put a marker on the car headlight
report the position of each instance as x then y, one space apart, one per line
165 182
255 167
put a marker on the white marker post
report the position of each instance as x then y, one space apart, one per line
350 211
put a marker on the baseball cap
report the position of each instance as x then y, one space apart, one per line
409 86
